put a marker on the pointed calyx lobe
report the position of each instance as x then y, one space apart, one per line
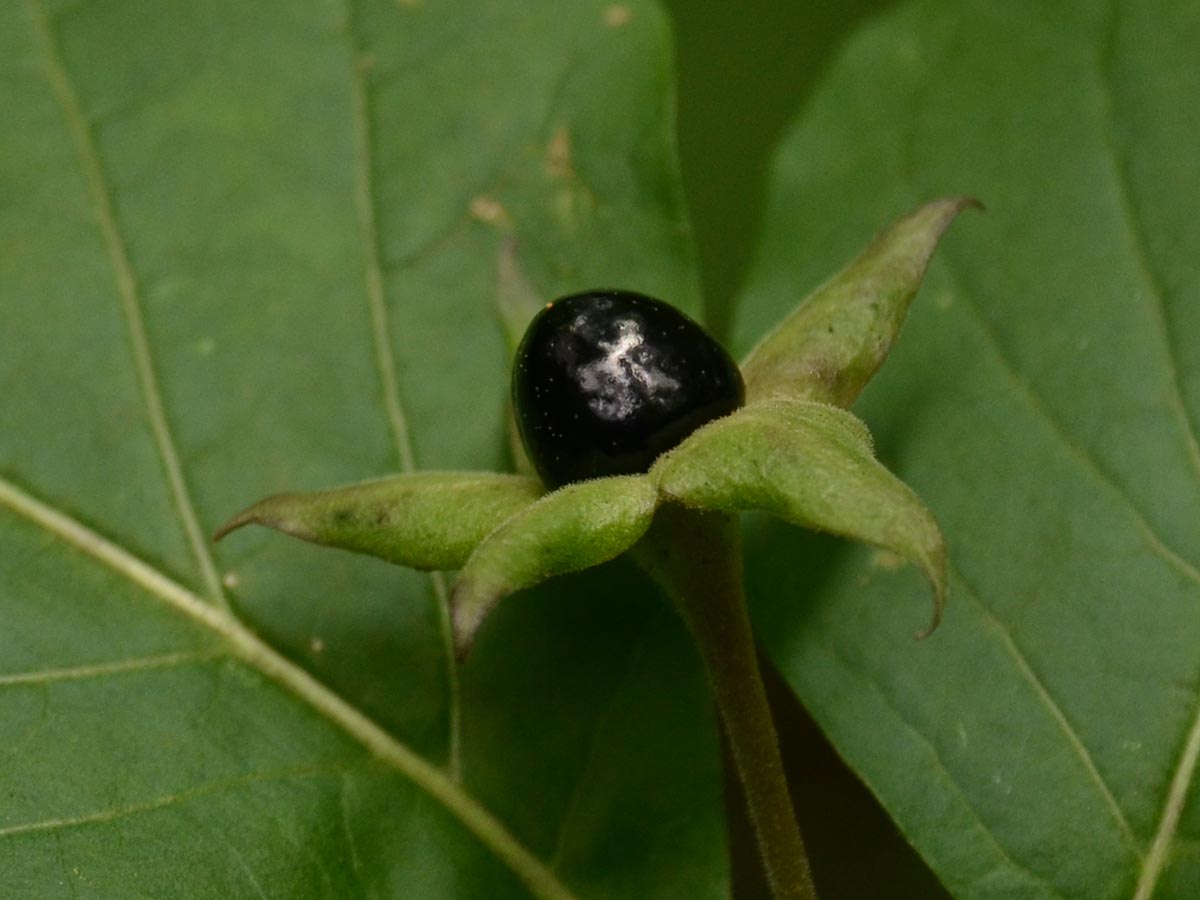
423 520
792 450
835 340
574 528
811 464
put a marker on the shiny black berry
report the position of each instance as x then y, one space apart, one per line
606 380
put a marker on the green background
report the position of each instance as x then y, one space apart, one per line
255 247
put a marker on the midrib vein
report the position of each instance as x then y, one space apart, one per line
385 361
128 291
260 656
1181 783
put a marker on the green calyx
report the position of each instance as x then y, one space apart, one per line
573 528
422 520
829 347
793 451
811 464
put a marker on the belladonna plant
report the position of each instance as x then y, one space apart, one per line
633 419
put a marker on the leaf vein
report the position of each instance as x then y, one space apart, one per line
127 289
1156 288
1081 456
1164 837
261 656
831 649
1181 780
243 865
1077 453
1056 712
165 801
385 360
115 667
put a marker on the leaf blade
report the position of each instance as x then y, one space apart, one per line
268 663
233 178
1031 405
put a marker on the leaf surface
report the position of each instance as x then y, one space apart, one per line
253 248
1043 400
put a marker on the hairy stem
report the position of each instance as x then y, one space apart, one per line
696 558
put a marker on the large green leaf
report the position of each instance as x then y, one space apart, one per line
251 247
1044 401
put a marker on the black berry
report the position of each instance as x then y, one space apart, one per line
605 381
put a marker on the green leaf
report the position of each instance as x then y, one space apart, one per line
811 464
839 335
253 248
423 520
571 529
1043 401
516 299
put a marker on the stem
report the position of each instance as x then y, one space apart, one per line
696 558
